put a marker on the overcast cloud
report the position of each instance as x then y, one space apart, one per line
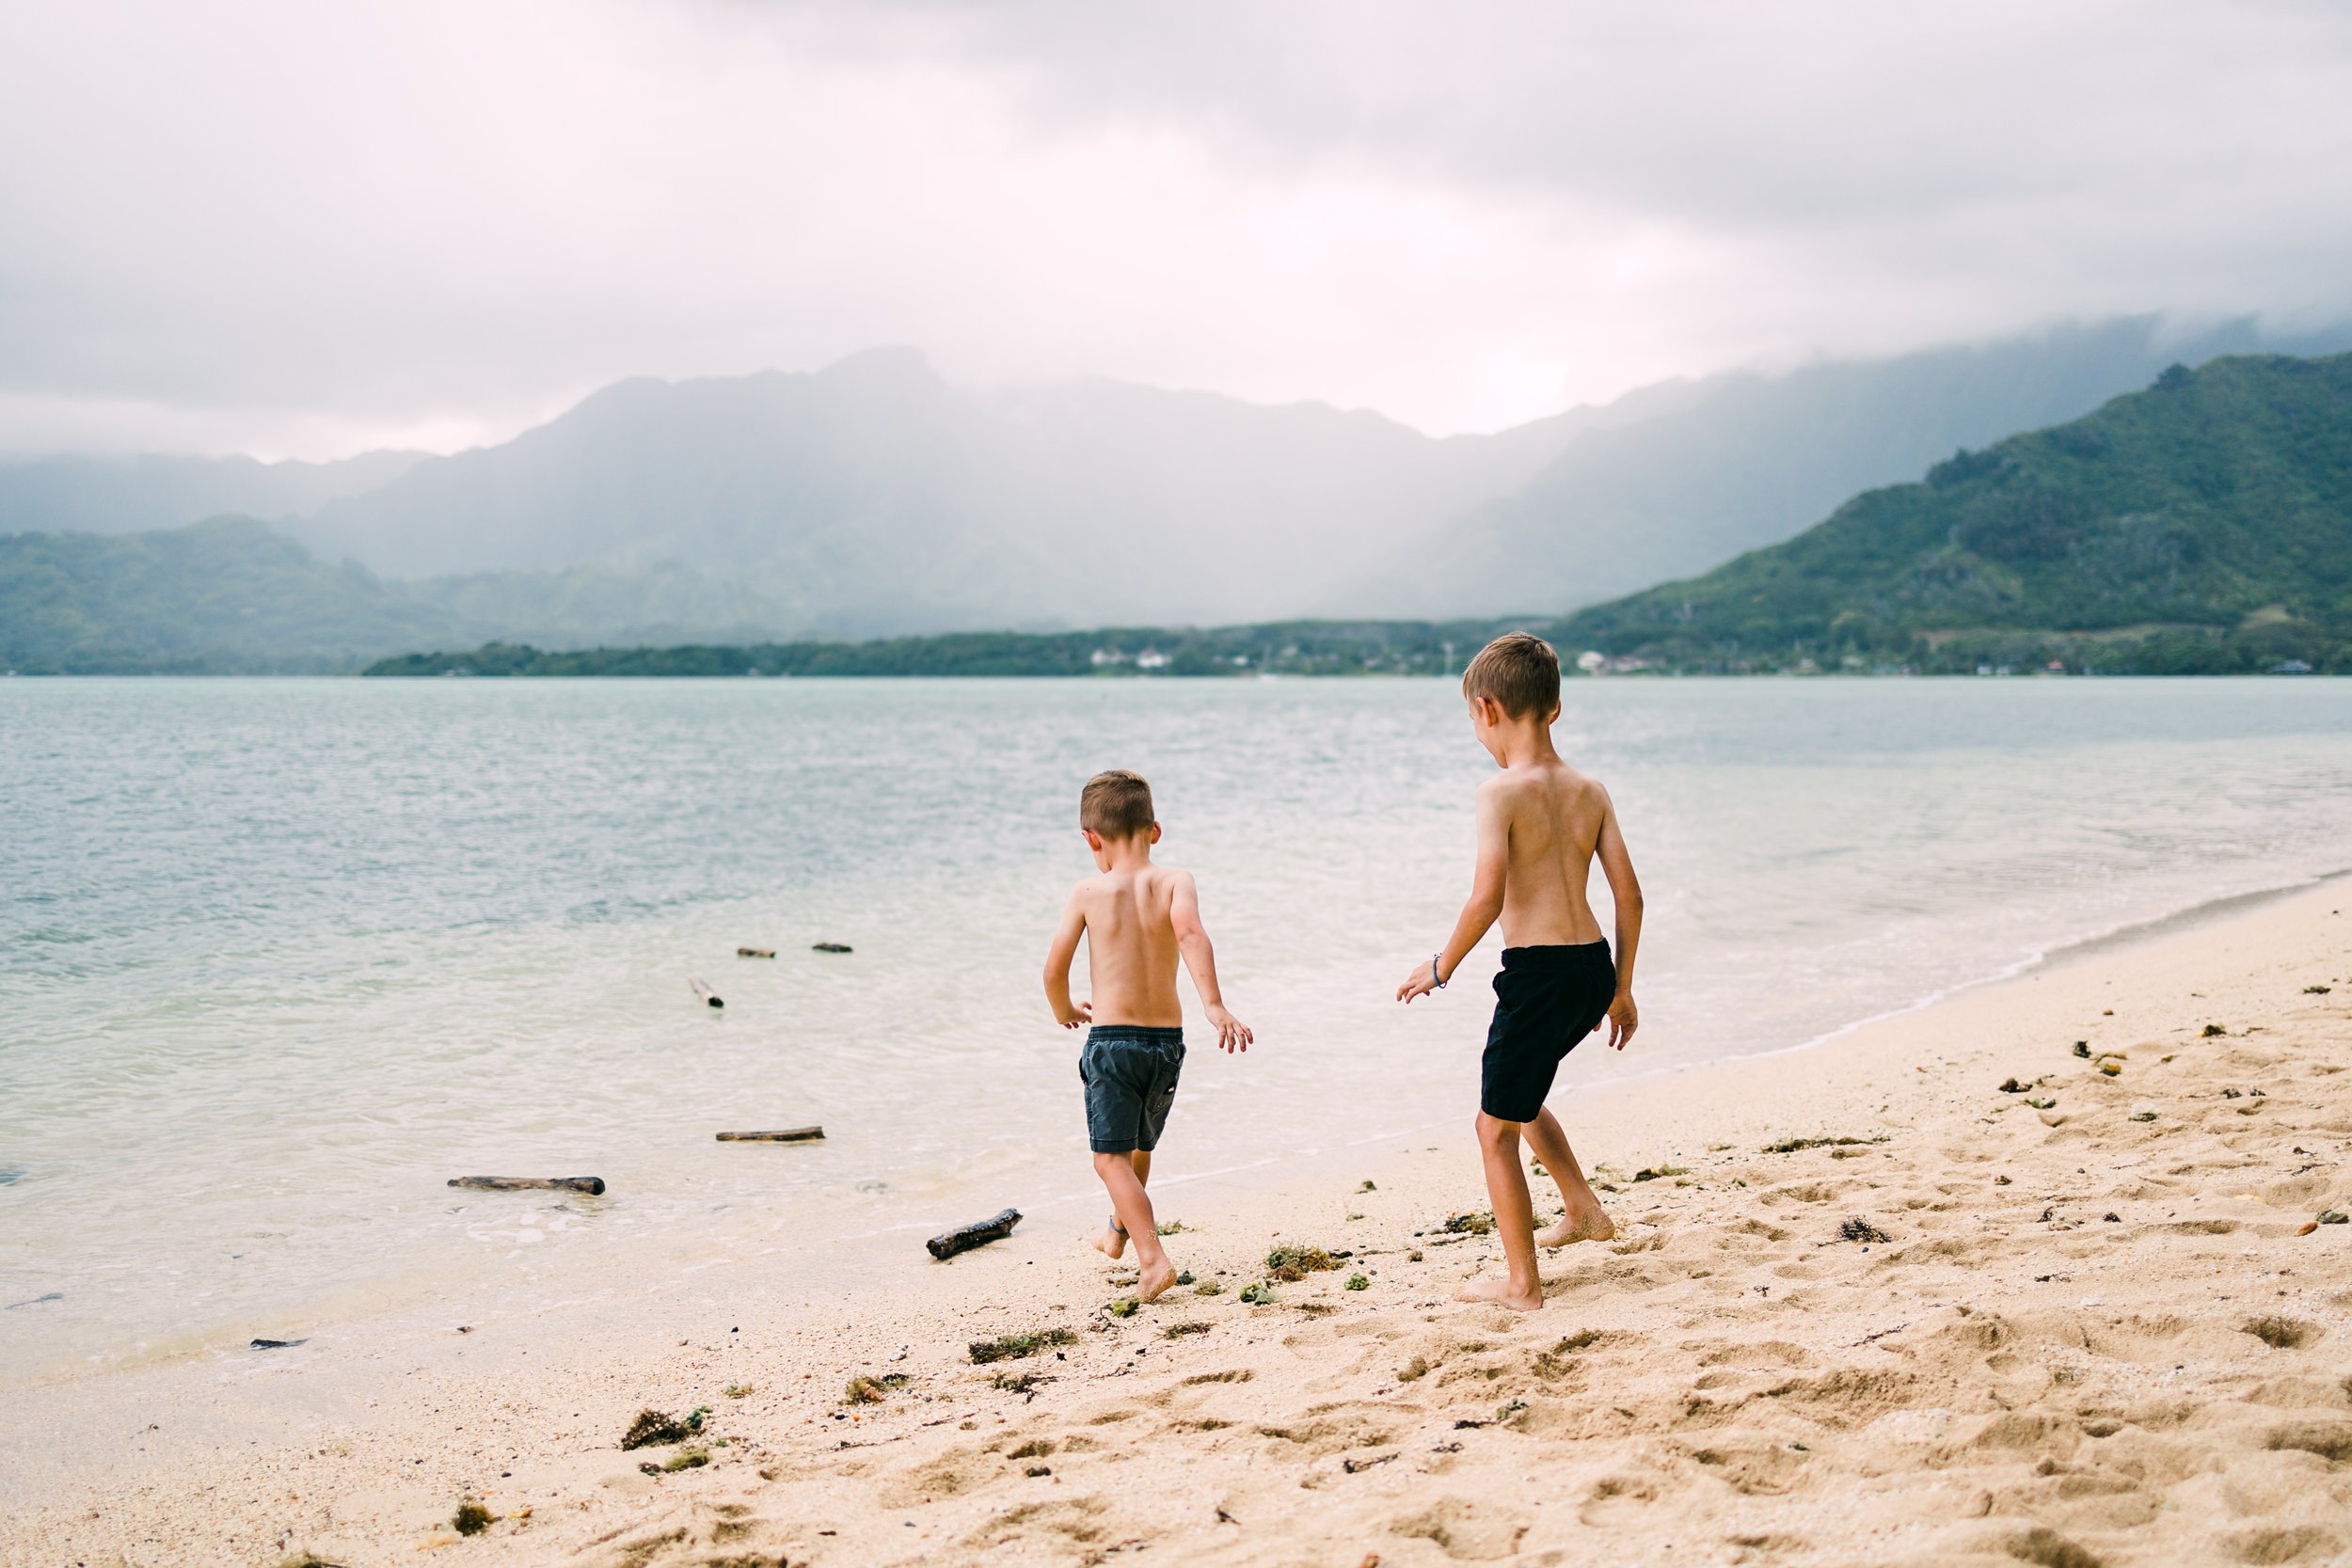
303 229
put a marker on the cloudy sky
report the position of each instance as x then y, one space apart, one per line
298 229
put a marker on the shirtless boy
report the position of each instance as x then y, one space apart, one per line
1540 824
1137 919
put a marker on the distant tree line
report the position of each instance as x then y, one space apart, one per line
1281 648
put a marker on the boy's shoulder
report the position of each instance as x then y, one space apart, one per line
1510 786
1155 877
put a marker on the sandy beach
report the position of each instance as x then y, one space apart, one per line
2004 1306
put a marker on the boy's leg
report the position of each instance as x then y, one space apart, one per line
1586 1220
1133 1205
1112 1241
1514 1219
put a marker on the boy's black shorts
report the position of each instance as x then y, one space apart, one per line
1546 1000
1129 1071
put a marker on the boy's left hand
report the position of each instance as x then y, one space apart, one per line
1231 1033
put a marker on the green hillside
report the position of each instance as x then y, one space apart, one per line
234 596
223 596
2204 526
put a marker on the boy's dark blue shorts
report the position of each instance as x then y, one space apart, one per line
1546 1000
1129 1071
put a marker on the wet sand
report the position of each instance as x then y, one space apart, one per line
1983 1330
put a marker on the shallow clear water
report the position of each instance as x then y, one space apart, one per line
277 958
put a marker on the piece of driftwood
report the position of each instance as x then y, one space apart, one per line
703 990
277 1344
978 1234
592 1186
754 952
783 1135
828 947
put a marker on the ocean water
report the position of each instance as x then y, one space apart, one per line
279 957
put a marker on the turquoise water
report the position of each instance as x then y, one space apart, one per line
278 957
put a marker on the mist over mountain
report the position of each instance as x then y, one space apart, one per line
1751 460
102 495
874 497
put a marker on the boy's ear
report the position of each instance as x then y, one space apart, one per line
1155 832
1094 840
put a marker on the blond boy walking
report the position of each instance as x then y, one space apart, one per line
1541 824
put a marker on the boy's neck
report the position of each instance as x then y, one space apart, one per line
1526 741
1127 854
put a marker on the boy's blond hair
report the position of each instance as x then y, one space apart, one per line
1518 670
1115 804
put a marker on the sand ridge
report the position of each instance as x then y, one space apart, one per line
2076 1322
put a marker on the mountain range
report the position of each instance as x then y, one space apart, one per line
2202 525
872 498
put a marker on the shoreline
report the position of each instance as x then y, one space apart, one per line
1917 1079
1809 676
861 1246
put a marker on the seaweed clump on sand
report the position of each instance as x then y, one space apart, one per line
1291 1264
1790 1145
1469 1225
471 1518
654 1427
1860 1229
863 1390
1010 1347
685 1459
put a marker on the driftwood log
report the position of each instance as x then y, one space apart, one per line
978 1234
783 1135
828 947
754 952
592 1186
703 990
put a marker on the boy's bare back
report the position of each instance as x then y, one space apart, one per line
1133 919
1138 919
1540 823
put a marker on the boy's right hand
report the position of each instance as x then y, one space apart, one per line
1624 1017
1081 1014
1231 1033
1421 982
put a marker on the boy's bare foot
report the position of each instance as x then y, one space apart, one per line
1499 1292
1112 1242
1152 1280
1594 1226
